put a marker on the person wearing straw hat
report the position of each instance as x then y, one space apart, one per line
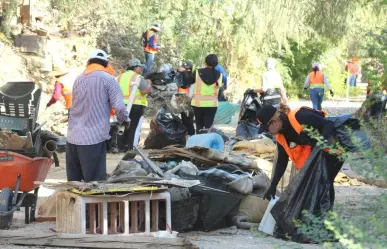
151 47
316 80
64 81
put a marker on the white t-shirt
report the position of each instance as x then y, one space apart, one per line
271 79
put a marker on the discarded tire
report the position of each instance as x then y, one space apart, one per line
5 205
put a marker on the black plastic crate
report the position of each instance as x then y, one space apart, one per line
19 106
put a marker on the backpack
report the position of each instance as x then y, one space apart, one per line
144 39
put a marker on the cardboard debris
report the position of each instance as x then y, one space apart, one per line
12 141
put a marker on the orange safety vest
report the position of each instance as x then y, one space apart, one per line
300 153
316 78
352 68
148 48
183 90
67 82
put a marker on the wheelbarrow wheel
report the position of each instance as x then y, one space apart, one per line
5 205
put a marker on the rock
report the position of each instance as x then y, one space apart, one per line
31 44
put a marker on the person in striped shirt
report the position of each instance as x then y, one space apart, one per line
95 92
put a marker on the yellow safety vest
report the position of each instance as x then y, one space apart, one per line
205 95
129 78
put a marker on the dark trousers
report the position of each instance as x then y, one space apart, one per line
125 142
204 117
334 166
86 162
188 122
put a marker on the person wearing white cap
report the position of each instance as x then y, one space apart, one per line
151 47
316 81
95 92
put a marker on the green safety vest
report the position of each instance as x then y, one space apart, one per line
129 78
205 95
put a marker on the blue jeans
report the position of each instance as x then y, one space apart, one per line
352 80
317 96
149 62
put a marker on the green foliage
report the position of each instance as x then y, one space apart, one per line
8 12
242 33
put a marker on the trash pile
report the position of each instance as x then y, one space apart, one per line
210 186
164 87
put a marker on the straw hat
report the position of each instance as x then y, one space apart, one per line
58 70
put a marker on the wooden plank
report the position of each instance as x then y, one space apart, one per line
91 241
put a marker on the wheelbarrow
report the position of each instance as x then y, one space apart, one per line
18 189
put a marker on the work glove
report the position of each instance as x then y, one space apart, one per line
331 92
270 193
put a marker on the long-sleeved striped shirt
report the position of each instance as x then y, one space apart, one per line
94 95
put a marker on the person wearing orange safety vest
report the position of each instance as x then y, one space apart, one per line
64 81
353 69
293 142
187 80
127 80
151 46
204 93
316 81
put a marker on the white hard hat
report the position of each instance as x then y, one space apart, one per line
98 54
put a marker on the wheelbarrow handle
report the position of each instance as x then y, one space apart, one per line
16 189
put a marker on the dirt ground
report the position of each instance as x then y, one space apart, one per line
228 238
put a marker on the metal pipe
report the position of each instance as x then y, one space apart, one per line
49 148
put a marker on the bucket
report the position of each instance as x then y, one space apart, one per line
268 223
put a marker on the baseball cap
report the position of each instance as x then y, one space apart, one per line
265 114
187 65
315 64
98 54
135 63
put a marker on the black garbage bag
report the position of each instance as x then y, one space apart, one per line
166 129
347 130
311 190
250 106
